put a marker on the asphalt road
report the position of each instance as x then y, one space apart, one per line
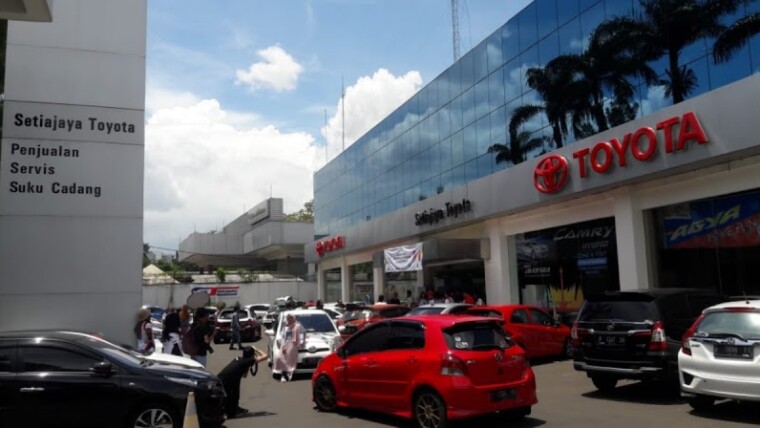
566 399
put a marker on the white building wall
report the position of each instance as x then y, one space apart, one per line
67 258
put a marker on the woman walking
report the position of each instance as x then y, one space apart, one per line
170 334
144 333
289 343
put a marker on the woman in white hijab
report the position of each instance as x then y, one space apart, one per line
289 342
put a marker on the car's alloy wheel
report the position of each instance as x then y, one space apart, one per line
324 394
568 349
154 416
429 410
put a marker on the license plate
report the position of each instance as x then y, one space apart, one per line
503 394
734 351
609 340
311 361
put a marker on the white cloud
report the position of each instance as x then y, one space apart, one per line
367 102
278 71
203 165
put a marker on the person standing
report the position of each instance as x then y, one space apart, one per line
232 374
184 320
289 344
202 332
144 333
170 334
235 324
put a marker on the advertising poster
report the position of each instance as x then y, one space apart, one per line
726 222
404 259
558 266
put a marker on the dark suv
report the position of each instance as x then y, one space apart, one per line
635 335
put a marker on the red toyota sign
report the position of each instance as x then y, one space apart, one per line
551 174
329 244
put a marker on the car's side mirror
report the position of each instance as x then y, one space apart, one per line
102 368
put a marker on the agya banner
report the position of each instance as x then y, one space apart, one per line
406 258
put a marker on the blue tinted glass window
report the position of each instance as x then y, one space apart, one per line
457 148
528 59
498 121
510 38
617 8
434 161
512 80
433 96
480 62
447 181
455 114
470 142
455 79
457 176
652 99
591 18
570 38
585 4
444 122
547 16
483 128
468 106
485 165
482 106
443 88
566 10
730 71
754 42
414 140
494 51
471 171
496 89
548 48
445 154
467 68
528 26
703 78
423 102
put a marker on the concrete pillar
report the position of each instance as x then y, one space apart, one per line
321 284
631 234
378 278
497 266
345 280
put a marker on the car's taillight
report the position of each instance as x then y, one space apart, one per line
577 334
685 345
452 365
658 342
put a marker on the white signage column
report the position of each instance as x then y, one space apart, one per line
71 169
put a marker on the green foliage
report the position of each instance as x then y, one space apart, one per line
247 276
221 275
305 215
146 249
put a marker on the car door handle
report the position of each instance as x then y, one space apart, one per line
31 389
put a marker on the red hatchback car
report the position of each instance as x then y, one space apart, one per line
431 369
356 318
532 328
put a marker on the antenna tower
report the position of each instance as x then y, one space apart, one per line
455 27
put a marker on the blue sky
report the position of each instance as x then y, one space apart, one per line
237 93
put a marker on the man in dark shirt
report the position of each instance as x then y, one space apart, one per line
231 376
235 326
202 334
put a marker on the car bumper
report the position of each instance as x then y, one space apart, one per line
210 407
637 370
464 401
701 381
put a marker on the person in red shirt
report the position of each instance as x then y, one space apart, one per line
469 299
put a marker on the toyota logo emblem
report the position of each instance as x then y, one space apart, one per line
551 174
498 357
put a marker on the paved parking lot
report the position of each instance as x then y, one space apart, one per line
566 399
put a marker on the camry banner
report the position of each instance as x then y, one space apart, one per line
406 258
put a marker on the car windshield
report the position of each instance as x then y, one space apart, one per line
429 310
356 314
316 323
476 336
118 353
630 311
745 325
227 315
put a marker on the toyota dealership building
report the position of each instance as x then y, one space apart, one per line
670 197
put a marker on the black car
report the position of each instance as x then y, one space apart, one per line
635 335
71 379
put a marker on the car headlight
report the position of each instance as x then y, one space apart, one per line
336 342
193 383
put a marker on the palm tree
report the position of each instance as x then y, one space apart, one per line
551 84
735 37
604 65
667 27
517 148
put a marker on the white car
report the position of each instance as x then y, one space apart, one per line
720 355
160 357
259 309
440 309
321 337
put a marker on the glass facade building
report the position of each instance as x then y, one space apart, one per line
440 138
